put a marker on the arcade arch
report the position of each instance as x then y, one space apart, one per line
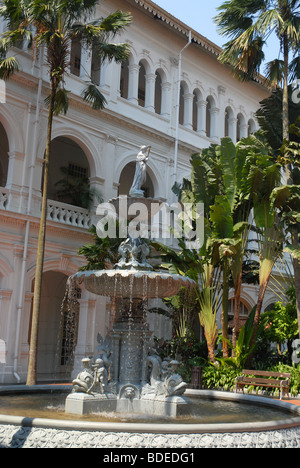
126 179
69 171
54 353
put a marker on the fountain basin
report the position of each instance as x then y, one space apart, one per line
20 431
131 283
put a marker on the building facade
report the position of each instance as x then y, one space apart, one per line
147 103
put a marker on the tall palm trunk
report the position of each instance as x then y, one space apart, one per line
225 307
296 265
237 310
285 104
32 365
289 176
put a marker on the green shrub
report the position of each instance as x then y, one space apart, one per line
295 377
219 377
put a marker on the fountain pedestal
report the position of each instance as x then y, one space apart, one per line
129 377
139 383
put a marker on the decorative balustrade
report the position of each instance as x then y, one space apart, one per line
68 214
3 198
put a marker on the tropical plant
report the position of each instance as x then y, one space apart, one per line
269 117
52 25
208 308
286 198
244 346
281 322
231 181
102 254
189 263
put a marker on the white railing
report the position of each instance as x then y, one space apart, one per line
68 214
3 198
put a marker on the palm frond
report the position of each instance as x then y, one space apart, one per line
116 22
61 103
109 51
92 95
274 72
8 66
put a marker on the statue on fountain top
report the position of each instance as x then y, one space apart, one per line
140 172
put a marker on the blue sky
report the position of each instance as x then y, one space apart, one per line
198 14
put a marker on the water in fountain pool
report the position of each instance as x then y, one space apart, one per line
199 411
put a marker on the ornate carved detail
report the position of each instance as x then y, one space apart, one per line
14 436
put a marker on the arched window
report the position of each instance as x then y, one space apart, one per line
75 57
251 127
142 85
226 130
210 117
195 112
69 174
181 105
185 106
4 150
158 93
241 128
124 81
96 66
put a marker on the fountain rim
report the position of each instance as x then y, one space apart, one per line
133 272
157 428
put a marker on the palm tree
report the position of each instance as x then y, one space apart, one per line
52 25
286 198
249 24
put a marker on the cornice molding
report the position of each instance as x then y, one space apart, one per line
163 15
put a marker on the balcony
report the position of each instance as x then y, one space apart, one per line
68 215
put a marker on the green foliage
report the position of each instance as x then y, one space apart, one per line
269 117
281 322
295 377
248 25
102 254
244 346
218 377
187 349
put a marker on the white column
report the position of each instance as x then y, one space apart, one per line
201 110
133 83
165 99
232 128
244 130
214 113
150 92
188 110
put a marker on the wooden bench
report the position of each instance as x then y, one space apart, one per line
262 379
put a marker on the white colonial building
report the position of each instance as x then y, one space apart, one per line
142 97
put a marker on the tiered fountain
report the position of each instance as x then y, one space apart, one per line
127 376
